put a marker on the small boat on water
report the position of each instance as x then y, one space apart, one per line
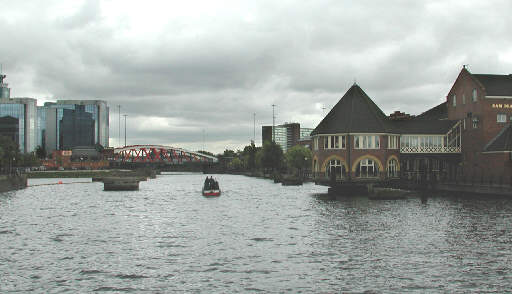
211 193
211 187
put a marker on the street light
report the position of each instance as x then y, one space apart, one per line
125 115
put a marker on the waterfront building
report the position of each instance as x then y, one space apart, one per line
286 135
54 112
76 128
356 141
24 110
9 127
483 104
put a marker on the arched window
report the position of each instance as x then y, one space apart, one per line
392 168
367 168
336 167
315 166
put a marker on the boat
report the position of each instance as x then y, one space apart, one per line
215 192
211 187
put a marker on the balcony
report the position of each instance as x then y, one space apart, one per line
430 149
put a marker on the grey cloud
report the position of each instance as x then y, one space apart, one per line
404 54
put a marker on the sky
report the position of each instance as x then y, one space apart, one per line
204 74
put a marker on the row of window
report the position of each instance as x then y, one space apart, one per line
366 168
473 98
373 141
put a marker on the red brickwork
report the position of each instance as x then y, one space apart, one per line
381 155
475 139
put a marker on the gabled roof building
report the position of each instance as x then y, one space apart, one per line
356 141
467 137
483 103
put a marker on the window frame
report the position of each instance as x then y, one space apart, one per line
501 115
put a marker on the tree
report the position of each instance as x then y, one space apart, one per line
249 155
40 152
235 164
298 157
272 156
10 152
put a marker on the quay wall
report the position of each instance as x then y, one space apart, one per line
10 183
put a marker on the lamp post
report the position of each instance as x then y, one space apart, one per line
125 115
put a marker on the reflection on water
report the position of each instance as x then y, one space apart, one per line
258 236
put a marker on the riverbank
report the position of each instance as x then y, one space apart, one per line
9 183
89 173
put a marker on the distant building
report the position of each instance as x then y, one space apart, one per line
76 128
5 91
286 135
54 112
24 110
9 127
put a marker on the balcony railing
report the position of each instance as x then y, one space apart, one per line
430 150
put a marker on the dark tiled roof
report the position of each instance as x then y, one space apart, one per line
423 126
355 113
502 141
438 112
496 85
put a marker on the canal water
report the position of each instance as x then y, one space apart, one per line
257 237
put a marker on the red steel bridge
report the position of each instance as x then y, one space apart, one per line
159 154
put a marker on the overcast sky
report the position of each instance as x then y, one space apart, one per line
187 70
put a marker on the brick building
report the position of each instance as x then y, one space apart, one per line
483 103
356 141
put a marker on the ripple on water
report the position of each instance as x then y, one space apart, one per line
257 237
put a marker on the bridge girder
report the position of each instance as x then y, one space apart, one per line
159 154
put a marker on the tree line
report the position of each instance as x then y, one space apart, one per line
266 159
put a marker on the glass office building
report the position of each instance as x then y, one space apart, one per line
55 112
24 109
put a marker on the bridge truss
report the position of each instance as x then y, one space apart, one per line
159 154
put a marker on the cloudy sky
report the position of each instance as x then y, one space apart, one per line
189 73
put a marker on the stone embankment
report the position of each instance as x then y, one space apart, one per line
9 183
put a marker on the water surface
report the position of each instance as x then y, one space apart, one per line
257 237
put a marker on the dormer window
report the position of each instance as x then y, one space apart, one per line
454 100
475 94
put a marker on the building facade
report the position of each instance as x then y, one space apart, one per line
76 128
9 127
24 110
54 112
286 135
483 103
356 141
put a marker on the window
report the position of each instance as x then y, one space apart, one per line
475 94
501 118
335 166
366 142
475 122
454 100
367 168
315 143
334 142
392 168
392 142
463 98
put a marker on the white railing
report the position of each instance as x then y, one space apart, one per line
430 150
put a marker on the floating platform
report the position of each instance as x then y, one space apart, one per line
121 184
